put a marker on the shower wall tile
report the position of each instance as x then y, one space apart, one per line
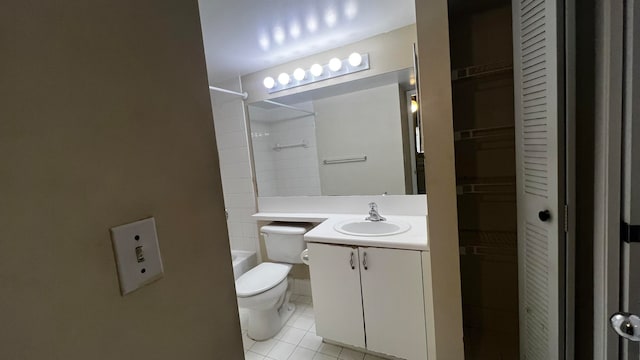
232 156
233 171
233 140
235 166
237 186
286 172
264 158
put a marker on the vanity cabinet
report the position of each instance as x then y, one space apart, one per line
371 298
337 299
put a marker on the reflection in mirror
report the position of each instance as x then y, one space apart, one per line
355 138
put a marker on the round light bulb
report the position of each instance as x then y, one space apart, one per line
316 70
414 106
284 79
269 83
355 59
299 74
335 64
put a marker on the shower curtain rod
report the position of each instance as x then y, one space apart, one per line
243 94
287 119
289 107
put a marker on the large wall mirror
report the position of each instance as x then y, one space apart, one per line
359 137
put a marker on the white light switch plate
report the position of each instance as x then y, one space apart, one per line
137 254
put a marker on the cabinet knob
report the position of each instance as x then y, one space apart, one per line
364 261
352 262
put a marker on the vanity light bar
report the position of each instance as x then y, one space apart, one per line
334 68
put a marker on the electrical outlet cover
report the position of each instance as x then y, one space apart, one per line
137 254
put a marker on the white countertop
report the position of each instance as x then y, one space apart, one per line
414 239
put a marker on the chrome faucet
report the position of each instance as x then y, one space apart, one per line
373 213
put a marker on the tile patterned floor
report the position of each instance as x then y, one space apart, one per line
297 340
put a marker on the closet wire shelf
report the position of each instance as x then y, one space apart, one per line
481 70
498 132
488 243
487 188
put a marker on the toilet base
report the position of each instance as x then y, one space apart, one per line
265 324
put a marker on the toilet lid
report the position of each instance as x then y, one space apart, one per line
261 278
283 228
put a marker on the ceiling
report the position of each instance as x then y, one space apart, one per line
244 36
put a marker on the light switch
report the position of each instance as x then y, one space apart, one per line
137 254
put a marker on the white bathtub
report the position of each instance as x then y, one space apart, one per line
243 261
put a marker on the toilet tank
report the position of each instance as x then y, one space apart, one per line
285 241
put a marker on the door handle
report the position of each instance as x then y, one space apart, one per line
352 262
364 260
544 215
626 325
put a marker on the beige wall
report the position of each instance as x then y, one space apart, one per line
105 119
444 317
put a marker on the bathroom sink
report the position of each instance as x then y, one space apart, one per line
359 227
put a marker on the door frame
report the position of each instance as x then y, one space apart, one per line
443 293
607 174
570 175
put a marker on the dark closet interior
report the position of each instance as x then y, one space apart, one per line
482 84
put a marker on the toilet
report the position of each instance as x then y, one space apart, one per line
263 290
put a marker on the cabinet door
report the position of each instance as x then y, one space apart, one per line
393 299
335 286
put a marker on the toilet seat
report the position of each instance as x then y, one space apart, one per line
261 278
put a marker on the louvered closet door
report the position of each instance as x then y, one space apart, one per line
539 119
